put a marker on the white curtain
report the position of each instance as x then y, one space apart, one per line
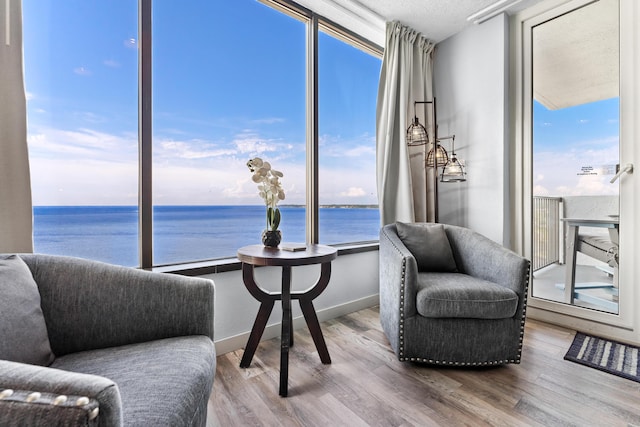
16 218
406 77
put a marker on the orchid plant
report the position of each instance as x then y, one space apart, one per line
269 187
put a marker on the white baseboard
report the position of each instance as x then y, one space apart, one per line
237 342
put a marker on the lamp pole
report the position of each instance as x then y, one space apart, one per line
435 162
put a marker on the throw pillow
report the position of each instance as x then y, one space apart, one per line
429 245
23 332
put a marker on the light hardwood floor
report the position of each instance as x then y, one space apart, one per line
367 386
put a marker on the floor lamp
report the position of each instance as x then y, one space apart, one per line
437 156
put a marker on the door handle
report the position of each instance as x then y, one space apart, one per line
627 168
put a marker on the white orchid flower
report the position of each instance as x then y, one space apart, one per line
269 188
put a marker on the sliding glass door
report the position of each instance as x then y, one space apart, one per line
576 152
578 94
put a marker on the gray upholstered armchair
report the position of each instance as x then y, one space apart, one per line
91 344
454 298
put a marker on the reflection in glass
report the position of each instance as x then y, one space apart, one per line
228 88
348 84
575 154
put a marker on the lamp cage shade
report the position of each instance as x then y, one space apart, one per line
416 133
440 154
453 171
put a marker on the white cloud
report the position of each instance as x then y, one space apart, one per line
82 144
69 181
565 173
82 71
252 143
361 150
268 121
89 117
539 190
89 166
353 192
338 147
131 43
111 63
191 149
238 191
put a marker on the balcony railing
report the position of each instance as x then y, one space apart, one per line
547 238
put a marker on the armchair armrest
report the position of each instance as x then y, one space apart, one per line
481 257
90 305
398 282
35 395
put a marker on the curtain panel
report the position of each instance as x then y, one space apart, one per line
406 76
16 214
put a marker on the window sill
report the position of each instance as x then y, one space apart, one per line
201 268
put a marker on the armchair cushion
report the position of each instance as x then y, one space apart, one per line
434 256
161 382
449 295
23 331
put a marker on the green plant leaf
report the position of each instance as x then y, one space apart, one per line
269 217
276 220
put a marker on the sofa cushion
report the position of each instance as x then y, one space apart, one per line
429 245
161 383
459 295
23 331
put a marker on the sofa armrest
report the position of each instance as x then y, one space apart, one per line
90 305
37 396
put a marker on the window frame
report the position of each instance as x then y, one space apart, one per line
314 23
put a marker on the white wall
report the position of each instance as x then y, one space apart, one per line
471 87
353 286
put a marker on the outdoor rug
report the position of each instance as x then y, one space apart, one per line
606 355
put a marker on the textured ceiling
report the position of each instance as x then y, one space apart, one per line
435 19
575 61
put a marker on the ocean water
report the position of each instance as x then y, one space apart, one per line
185 233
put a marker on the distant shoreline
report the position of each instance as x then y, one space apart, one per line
337 206
329 206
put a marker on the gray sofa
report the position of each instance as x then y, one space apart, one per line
454 298
102 345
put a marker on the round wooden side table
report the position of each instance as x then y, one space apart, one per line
259 255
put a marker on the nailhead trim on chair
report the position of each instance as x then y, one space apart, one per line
402 357
401 339
38 398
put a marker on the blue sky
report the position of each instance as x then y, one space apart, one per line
223 93
576 149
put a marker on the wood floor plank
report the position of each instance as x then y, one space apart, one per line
366 385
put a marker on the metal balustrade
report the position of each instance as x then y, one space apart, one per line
547 237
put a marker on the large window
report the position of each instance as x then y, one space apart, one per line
224 93
81 79
229 82
348 88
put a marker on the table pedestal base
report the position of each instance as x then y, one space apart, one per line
267 301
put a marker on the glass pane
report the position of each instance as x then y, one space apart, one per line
229 85
575 154
348 88
80 61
